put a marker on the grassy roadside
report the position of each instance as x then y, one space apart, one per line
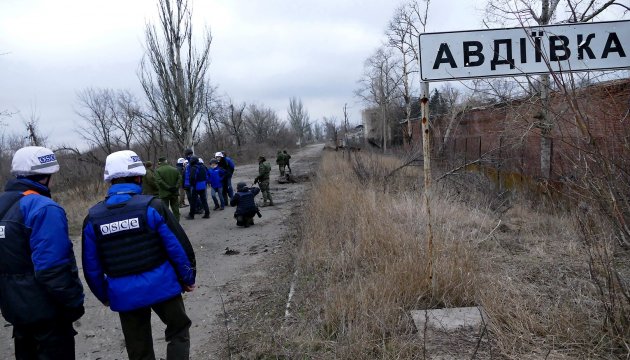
362 266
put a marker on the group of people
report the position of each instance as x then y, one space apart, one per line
283 160
136 256
190 180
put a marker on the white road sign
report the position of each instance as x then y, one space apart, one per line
526 50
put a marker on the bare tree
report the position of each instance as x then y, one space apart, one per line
262 123
96 111
401 36
379 86
318 132
125 113
173 71
544 12
298 119
331 126
234 122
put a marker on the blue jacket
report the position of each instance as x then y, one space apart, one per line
186 183
136 291
216 176
199 176
38 274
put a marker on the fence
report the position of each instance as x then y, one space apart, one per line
510 161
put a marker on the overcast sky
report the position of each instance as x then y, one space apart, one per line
262 51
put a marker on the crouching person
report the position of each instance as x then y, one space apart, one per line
137 258
245 204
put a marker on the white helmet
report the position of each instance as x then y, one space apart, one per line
218 154
122 164
181 161
34 160
200 160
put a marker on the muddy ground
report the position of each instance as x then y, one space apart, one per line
260 255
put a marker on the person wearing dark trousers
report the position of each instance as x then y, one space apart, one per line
157 266
40 291
245 204
198 188
227 164
215 179
287 160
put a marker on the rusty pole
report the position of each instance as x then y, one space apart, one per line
426 149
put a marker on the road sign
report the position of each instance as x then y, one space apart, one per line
525 50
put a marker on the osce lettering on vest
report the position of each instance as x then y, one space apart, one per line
121 225
2 232
525 50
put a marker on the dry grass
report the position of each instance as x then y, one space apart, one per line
77 201
363 267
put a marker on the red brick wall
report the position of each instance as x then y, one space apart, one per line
509 126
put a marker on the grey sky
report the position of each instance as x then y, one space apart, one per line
263 51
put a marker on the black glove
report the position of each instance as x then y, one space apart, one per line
73 314
172 189
256 180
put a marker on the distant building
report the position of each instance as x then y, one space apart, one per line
372 125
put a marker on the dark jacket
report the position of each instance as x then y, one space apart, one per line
244 202
228 165
38 273
163 282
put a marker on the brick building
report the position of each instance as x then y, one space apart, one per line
507 135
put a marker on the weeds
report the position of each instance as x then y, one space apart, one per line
363 268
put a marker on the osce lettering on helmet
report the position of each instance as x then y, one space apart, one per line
46 158
526 50
135 158
2 232
118 226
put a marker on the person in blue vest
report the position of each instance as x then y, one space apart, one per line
137 258
40 291
245 204
215 177
198 180
227 164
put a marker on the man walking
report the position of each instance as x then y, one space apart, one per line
228 166
287 160
40 291
168 181
264 169
281 161
137 258
198 180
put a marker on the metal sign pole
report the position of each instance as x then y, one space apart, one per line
426 149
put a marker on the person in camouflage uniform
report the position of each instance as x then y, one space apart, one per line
281 161
287 160
148 181
264 169
168 180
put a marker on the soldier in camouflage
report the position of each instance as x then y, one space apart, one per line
281 161
264 169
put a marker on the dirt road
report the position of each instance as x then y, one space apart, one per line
100 336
